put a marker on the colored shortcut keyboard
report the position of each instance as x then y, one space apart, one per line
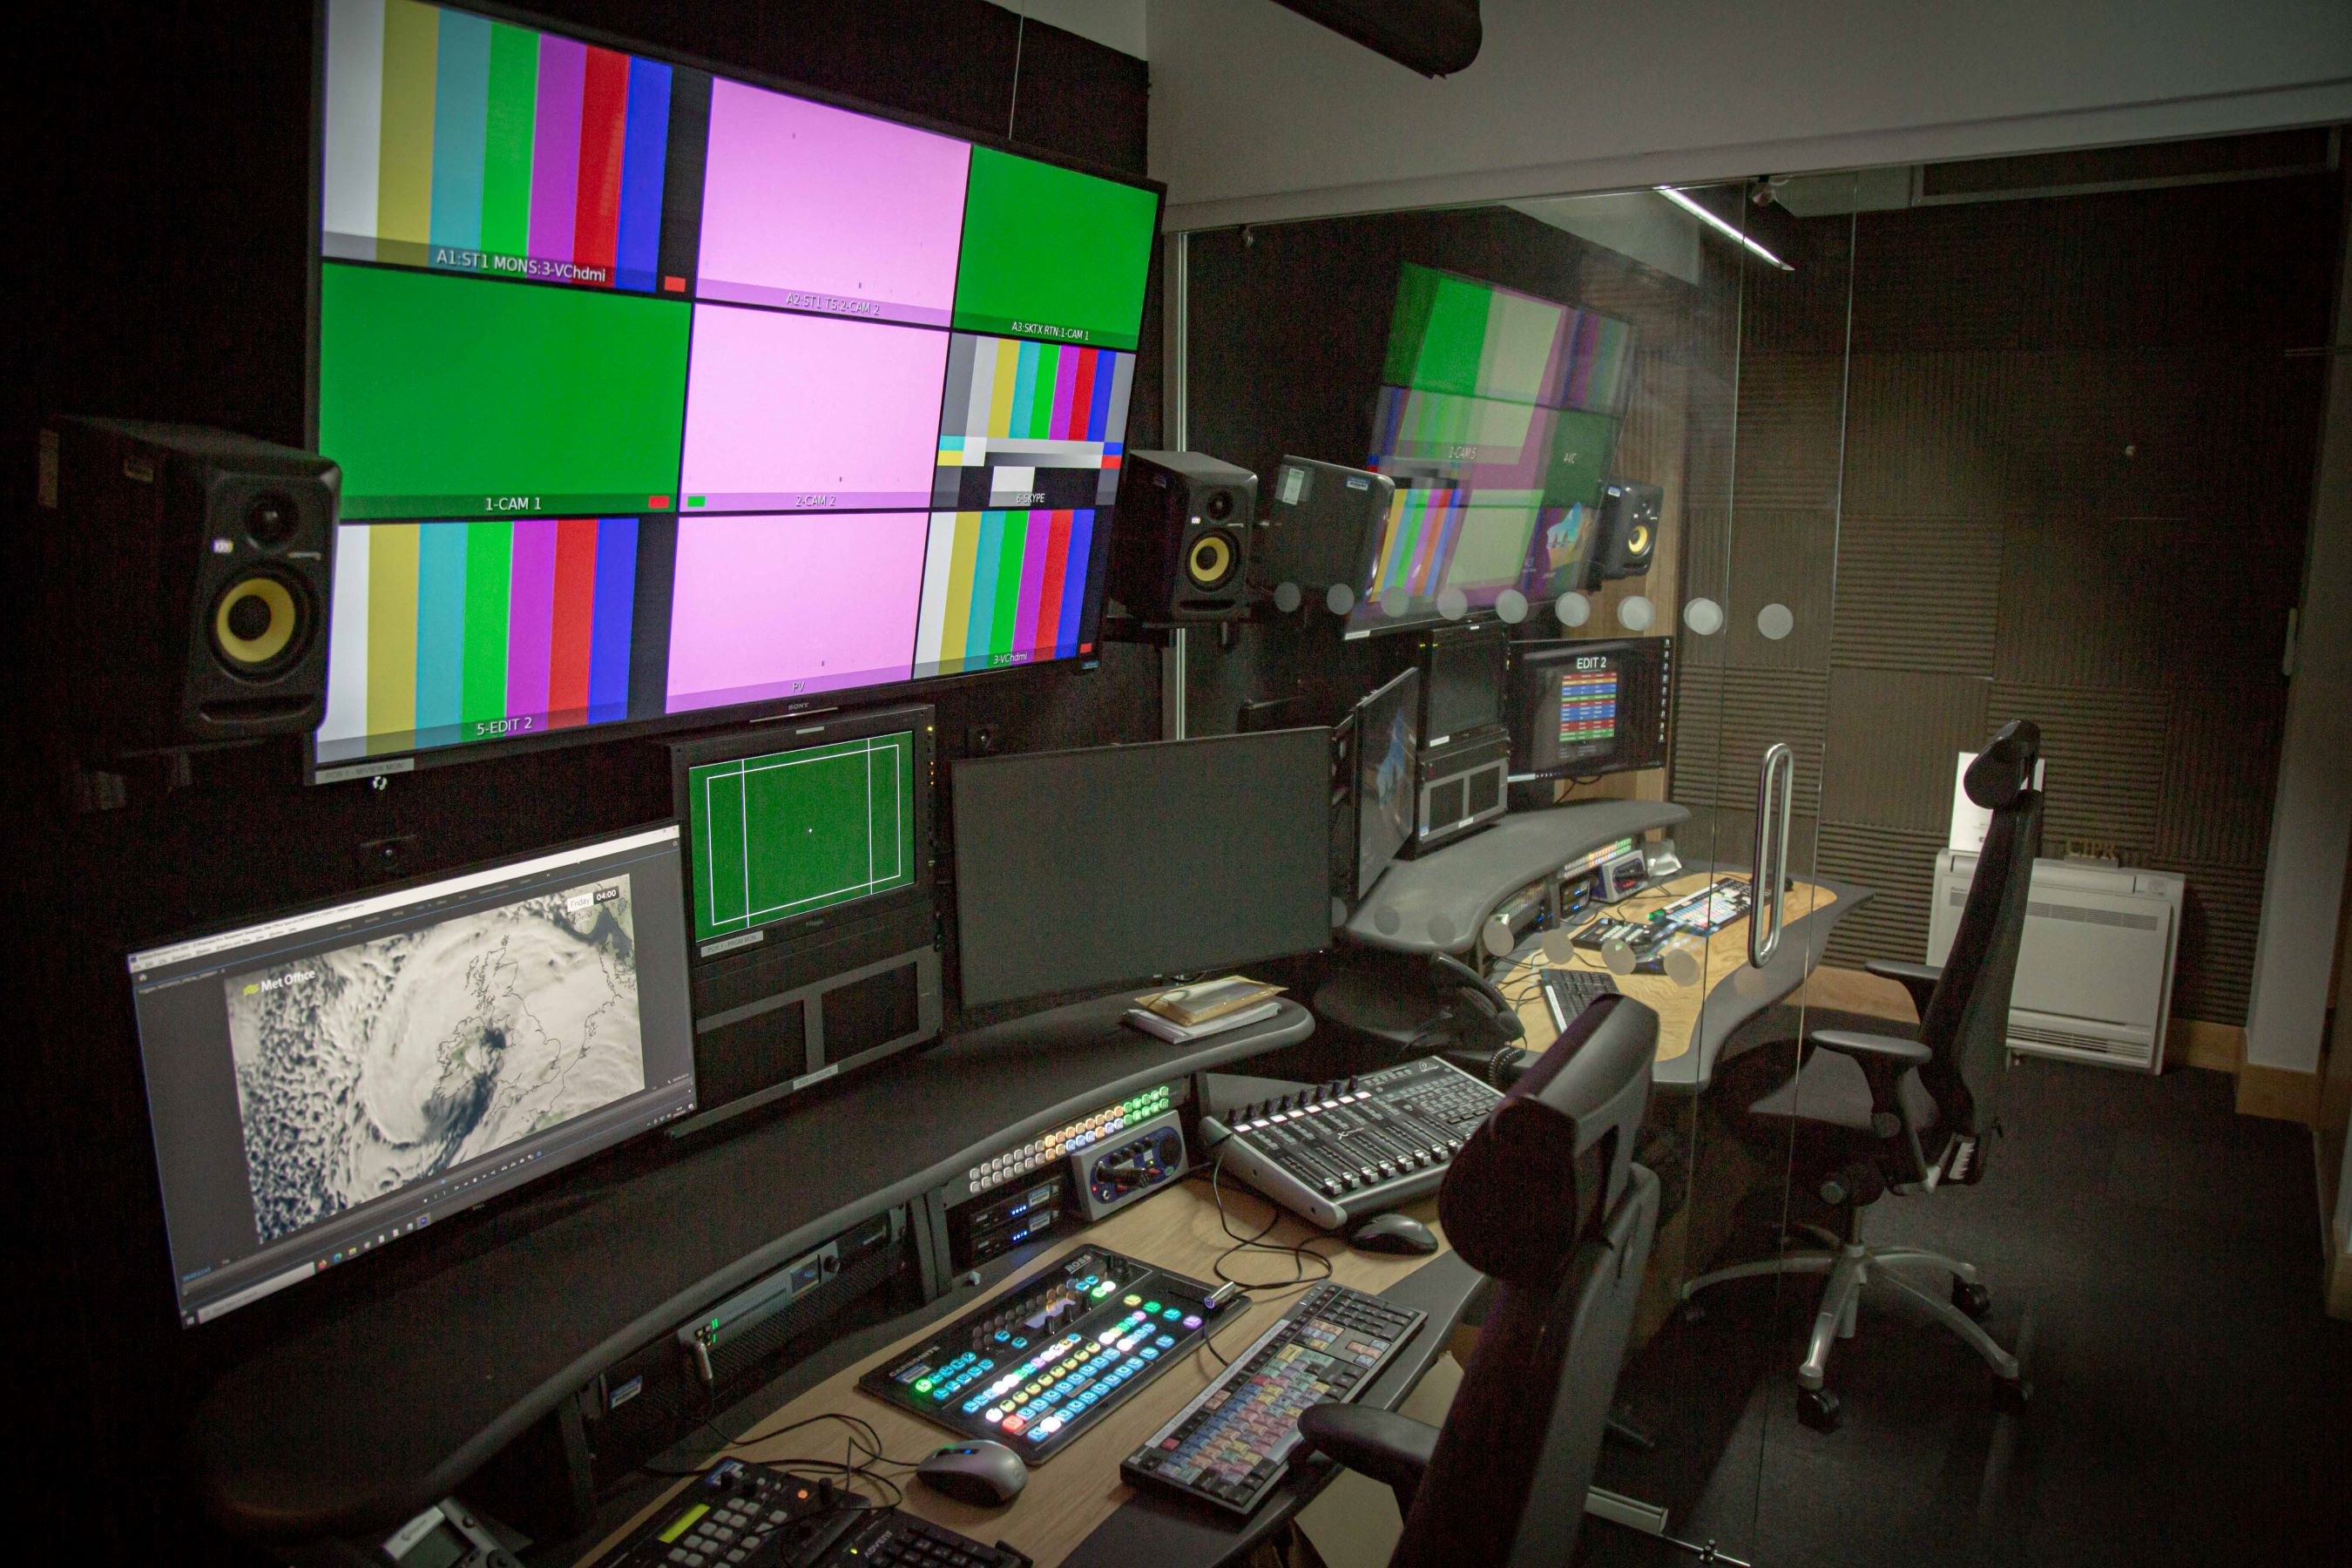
1230 1445
1036 1366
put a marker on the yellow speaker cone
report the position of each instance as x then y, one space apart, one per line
255 622
1211 560
1638 540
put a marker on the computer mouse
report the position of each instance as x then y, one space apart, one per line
988 1474
1393 1233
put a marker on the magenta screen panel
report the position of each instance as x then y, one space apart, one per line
815 208
791 413
764 607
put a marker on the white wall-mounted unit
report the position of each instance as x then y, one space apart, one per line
2095 967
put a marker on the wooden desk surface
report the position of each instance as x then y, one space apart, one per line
1076 1491
1678 1007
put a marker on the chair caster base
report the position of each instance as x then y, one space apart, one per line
2011 1394
1817 1408
1976 1300
1694 1310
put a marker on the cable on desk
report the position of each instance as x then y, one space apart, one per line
1299 1253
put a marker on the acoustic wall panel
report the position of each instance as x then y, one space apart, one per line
1898 865
2213 970
1893 737
1787 556
2221 771
1918 593
1725 719
2105 752
1792 408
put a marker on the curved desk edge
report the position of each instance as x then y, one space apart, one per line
1743 993
1436 903
239 1495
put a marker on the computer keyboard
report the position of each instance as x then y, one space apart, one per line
1568 992
1231 1444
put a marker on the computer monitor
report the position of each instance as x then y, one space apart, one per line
1322 522
1388 742
1463 674
1076 870
1581 707
809 898
322 1083
659 393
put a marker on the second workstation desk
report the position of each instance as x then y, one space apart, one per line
1076 1510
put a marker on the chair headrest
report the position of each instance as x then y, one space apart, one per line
1511 1203
2007 767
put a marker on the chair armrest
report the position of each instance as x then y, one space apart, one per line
1377 1444
1862 1047
1919 979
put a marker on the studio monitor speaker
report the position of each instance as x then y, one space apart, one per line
1181 538
188 576
1628 534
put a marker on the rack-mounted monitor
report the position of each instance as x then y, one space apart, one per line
323 1082
659 392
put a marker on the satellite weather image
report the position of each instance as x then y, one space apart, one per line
363 1069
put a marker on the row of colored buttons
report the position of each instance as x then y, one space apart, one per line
1062 1141
943 1384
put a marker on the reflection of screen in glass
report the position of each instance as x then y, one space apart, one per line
570 295
1499 422
1386 742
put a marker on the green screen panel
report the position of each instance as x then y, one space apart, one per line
1049 252
451 398
785 834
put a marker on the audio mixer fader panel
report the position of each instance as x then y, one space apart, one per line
1038 1364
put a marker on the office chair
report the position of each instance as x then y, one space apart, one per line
1545 1199
1869 1114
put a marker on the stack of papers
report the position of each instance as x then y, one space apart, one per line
1174 1033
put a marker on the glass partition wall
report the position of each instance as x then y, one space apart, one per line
1609 419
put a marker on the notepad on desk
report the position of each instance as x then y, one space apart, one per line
1177 1034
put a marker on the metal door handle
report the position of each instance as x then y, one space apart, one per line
1774 790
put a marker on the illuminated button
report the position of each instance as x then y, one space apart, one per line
1170 1313
1192 1320
1151 1306
992 1414
1135 1300
1014 1426
1148 1353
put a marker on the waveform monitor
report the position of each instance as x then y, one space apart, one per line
1580 708
659 393
1092 869
325 1082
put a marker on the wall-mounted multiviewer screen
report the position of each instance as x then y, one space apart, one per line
658 392
325 1082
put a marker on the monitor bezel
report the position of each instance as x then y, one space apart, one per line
1487 641
777 735
489 749
1532 658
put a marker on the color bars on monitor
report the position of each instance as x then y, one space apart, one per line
1002 587
492 147
443 626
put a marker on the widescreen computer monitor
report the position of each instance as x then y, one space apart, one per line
658 393
1387 740
1585 706
1082 869
1497 419
324 1082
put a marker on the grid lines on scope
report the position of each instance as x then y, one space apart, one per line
793 832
